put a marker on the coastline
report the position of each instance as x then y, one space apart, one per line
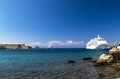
53 64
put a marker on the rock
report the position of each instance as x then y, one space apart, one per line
93 61
112 60
71 62
116 65
101 76
116 56
104 59
115 52
87 58
101 63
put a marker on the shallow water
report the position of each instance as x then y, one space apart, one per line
48 64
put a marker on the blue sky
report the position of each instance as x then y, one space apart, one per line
28 21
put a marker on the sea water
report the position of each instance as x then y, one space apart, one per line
48 63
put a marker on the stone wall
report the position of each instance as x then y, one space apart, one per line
14 46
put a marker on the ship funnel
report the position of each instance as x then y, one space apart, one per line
98 36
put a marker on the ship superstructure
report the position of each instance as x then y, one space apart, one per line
97 43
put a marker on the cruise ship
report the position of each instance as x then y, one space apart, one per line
97 43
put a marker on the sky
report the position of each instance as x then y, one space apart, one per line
62 22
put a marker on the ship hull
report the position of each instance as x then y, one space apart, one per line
101 46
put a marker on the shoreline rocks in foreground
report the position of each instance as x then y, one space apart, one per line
113 59
104 59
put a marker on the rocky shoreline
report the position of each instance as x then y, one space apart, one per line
113 59
109 64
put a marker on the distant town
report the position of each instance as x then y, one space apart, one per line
16 46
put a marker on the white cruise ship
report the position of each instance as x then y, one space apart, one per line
97 43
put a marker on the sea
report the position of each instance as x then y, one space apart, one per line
51 64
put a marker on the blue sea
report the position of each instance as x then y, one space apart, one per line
48 63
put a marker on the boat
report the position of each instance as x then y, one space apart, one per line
97 43
49 46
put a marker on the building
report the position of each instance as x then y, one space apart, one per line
15 46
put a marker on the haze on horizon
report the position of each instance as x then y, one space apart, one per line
62 22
